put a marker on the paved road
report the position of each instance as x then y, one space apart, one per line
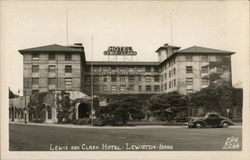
43 138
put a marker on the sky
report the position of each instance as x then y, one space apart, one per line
144 25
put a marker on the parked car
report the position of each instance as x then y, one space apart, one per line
212 119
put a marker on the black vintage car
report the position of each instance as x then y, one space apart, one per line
209 120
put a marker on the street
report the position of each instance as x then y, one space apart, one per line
29 137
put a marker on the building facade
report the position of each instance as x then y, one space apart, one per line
122 77
191 69
53 67
56 67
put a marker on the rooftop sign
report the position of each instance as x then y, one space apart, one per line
120 51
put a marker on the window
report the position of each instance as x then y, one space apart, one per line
169 84
218 58
52 80
87 88
35 80
219 70
148 79
68 81
174 82
189 69
131 87
35 57
87 78
113 78
68 57
105 69
174 71
122 87
148 69
165 75
113 88
96 78
49 109
68 69
122 69
139 69
156 69
189 81
130 69
166 86
148 88
157 88
204 58
113 68
122 78
105 79
189 91
88 69
189 58
169 74
213 116
52 56
156 78
96 88
204 81
161 77
35 91
139 78
105 88
204 69
131 78
139 88
35 68
52 68
95 68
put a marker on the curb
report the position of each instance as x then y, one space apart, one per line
106 127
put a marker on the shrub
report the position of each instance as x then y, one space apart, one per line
99 122
37 121
83 121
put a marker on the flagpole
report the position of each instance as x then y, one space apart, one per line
171 28
67 27
92 87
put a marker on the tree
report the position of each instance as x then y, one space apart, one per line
217 98
64 107
166 106
121 107
37 106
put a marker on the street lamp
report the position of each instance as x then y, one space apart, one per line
25 108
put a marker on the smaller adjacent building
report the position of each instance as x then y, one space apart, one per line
47 106
53 68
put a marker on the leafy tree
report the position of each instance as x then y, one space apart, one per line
166 106
121 106
37 106
64 107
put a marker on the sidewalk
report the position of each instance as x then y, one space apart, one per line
107 127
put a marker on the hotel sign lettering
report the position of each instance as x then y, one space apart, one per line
120 51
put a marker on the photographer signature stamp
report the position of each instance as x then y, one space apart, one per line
231 143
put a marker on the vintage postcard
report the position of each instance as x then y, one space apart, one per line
125 80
